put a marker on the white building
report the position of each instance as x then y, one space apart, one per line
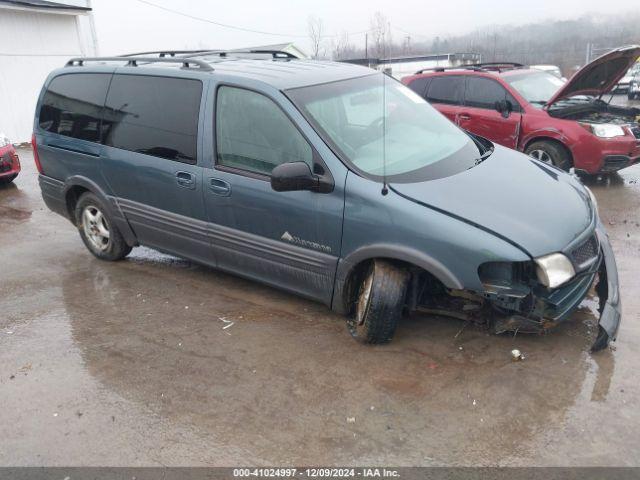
36 37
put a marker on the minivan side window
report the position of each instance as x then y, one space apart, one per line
484 93
254 134
155 116
446 89
72 105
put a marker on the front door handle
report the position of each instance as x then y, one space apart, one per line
464 116
186 180
219 187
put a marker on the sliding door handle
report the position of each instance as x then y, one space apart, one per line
186 180
219 187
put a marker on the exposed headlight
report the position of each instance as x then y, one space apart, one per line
4 141
554 270
604 130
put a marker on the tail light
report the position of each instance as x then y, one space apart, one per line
36 157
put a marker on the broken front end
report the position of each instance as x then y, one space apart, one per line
535 296
616 133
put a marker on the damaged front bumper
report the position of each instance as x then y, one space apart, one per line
545 309
609 293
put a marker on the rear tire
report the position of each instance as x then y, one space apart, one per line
97 230
379 305
7 180
550 152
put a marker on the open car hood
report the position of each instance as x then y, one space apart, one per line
599 76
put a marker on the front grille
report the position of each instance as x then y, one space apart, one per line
583 255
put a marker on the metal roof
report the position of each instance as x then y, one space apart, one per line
43 4
281 73
285 74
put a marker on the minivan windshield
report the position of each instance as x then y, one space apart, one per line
381 127
537 88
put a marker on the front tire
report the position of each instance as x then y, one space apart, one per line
550 152
97 230
380 302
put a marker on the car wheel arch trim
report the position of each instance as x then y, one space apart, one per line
545 136
111 207
348 266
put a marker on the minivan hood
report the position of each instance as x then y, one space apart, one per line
600 76
535 206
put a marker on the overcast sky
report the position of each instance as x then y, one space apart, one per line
132 25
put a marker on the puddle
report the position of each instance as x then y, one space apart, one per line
147 255
10 213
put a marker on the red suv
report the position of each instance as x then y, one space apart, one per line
9 162
566 124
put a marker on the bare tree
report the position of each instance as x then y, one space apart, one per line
381 35
342 48
560 42
316 32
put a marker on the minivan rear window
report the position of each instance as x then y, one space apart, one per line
153 115
72 105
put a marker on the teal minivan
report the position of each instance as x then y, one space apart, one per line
329 180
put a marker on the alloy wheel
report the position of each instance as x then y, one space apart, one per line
541 156
96 228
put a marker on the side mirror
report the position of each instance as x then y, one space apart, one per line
293 176
505 107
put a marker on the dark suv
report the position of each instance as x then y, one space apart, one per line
564 124
329 180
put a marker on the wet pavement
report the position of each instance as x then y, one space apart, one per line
158 361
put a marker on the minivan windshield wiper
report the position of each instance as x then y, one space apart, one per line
485 147
482 157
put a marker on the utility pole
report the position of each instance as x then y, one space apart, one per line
366 46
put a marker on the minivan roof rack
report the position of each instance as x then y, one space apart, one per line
226 53
221 53
165 53
186 62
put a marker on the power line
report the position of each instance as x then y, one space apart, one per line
235 27
219 24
